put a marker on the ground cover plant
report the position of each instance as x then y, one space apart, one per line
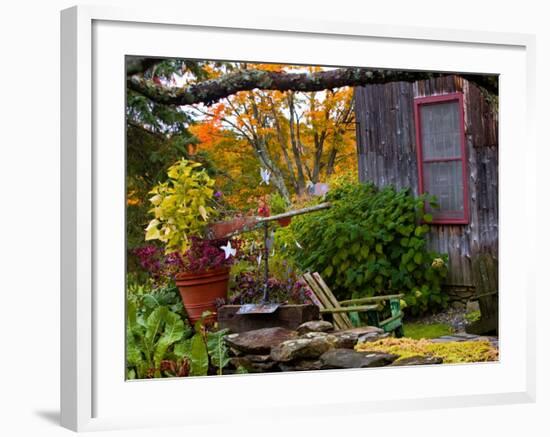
452 352
421 330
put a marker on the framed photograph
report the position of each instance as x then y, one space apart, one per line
326 213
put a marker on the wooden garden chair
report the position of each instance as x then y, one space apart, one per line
328 304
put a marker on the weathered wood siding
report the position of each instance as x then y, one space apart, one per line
386 144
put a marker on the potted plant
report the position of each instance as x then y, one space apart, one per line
204 278
278 205
182 207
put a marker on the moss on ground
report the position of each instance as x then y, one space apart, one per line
422 330
450 352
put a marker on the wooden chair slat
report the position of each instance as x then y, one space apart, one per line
371 299
326 304
350 309
332 299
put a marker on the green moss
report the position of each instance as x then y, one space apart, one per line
422 330
450 352
473 316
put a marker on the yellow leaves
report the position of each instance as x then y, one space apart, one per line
151 231
203 213
180 205
450 352
156 199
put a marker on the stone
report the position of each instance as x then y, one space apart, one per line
372 336
315 326
286 316
417 360
301 348
350 359
362 330
259 341
258 358
301 365
252 366
458 305
344 340
472 306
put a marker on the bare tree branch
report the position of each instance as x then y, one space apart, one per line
212 90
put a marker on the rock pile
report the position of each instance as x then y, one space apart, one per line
315 345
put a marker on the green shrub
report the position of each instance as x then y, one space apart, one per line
371 241
472 316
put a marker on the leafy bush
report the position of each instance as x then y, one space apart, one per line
149 339
204 255
277 204
472 316
146 299
371 241
204 350
181 205
249 288
161 267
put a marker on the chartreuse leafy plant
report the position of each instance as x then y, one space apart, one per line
182 205
371 241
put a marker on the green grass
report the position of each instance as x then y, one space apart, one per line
422 330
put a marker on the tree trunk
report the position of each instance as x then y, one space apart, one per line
295 147
283 144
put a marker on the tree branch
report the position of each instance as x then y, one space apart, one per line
212 90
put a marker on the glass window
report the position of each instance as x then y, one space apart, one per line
441 154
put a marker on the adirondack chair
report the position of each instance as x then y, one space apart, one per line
341 311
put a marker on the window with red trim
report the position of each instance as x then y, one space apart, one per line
442 169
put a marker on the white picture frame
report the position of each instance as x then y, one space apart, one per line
93 393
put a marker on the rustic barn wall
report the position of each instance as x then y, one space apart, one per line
387 156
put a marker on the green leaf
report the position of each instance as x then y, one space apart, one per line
379 248
154 326
173 332
183 349
418 258
199 356
428 218
217 349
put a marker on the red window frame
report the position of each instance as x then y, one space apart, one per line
421 101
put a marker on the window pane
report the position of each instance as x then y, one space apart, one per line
444 180
440 128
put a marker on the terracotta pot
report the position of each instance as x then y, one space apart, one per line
199 292
284 221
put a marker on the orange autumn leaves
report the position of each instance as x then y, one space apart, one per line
305 137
